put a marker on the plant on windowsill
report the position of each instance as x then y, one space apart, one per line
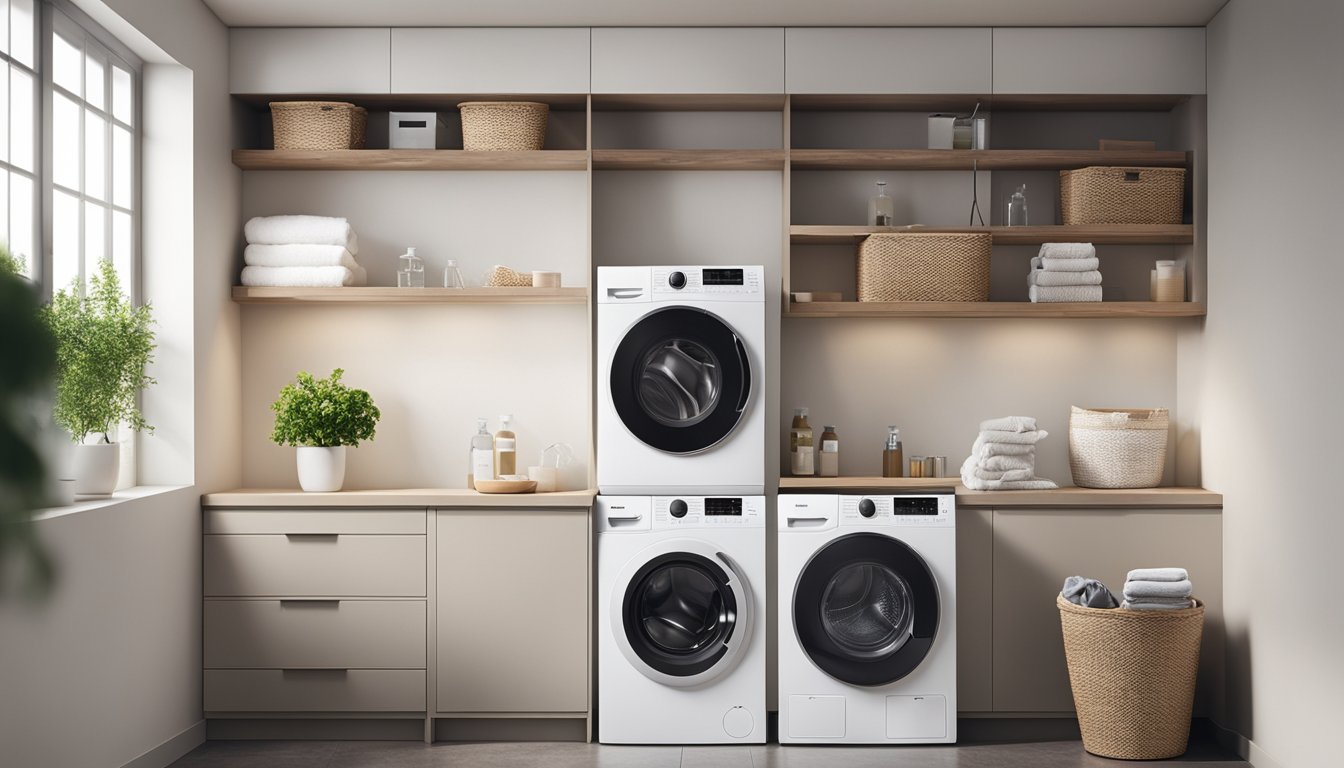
103 345
321 417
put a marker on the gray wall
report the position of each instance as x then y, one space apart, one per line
1270 387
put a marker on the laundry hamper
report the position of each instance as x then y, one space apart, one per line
503 125
318 125
1112 195
924 266
1133 677
1118 447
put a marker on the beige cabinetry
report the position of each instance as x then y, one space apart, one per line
493 61
975 610
737 60
888 60
325 60
1114 60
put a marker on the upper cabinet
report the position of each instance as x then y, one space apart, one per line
687 60
889 60
1144 60
309 61
515 60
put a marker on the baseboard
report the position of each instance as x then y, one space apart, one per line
1243 747
511 729
171 750
353 729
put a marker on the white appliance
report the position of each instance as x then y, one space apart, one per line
681 380
867 619
681 620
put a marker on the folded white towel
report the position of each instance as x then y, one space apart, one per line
1020 438
298 255
1002 463
983 448
1009 424
1176 589
1135 605
975 483
1055 293
1069 265
1046 277
1157 574
1005 475
1068 250
311 230
303 277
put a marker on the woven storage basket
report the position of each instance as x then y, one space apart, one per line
318 125
1105 195
924 266
503 125
1118 447
1133 677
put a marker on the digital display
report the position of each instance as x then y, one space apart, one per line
721 276
918 506
723 507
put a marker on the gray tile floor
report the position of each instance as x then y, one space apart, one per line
397 754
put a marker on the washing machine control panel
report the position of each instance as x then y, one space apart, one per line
714 283
916 510
708 512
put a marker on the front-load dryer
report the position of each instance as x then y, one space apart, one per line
681 380
681 620
867 619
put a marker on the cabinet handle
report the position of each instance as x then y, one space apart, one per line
314 670
332 537
319 602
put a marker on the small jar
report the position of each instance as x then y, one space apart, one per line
916 466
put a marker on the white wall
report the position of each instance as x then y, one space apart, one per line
1270 387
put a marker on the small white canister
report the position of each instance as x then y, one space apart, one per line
411 130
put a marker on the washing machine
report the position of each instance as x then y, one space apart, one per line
681 380
867 619
681 619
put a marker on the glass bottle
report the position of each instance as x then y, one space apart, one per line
801 461
412 271
893 458
506 448
481 456
828 461
452 278
881 209
1017 207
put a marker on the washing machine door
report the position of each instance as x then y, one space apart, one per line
680 380
682 612
866 608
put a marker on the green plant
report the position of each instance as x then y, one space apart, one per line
9 263
323 412
103 344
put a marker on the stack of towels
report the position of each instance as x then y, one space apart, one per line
1003 457
1065 272
306 251
1157 589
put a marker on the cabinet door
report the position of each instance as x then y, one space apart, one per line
975 610
309 61
686 60
888 60
1088 60
1035 550
513 611
487 61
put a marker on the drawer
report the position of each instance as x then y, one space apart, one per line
310 690
390 521
278 634
314 565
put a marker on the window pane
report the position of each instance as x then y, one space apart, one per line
95 87
65 64
64 240
4 113
65 146
21 119
121 247
121 96
4 26
95 236
21 31
95 155
4 205
121 167
21 216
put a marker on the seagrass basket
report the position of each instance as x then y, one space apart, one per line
924 266
318 125
1114 195
1118 447
503 125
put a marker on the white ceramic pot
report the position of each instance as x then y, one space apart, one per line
321 469
96 467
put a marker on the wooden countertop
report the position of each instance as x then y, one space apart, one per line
1067 497
444 498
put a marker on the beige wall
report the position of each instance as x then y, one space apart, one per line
1270 388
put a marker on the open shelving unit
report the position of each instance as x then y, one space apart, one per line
983 159
409 160
1101 234
384 295
688 159
1004 309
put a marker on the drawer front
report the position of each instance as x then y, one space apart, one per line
279 634
372 521
349 690
314 566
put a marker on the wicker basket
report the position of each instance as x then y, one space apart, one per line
1133 677
503 125
318 125
1104 195
924 266
1118 447
503 277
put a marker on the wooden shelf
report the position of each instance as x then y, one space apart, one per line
822 484
383 295
964 103
1095 309
1067 497
409 160
1100 234
688 159
439 102
985 159
398 497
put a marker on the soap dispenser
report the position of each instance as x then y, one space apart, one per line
506 447
412 271
893 457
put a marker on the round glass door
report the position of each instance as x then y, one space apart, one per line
679 613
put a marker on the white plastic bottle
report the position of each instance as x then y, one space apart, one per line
481 458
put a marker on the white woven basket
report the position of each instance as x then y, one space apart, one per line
1118 447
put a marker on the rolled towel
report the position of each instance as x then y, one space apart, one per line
1009 424
1178 589
307 230
1045 294
298 255
1150 605
983 449
1020 438
303 277
1046 277
1068 251
1157 574
1087 592
1001 463
1070 265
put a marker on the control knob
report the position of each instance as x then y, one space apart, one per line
867 508
677 508
677 280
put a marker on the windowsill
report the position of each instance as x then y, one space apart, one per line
124 496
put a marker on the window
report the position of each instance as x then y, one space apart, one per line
19 130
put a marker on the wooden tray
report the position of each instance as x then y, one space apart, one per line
506 486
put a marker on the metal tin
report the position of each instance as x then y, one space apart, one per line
939 466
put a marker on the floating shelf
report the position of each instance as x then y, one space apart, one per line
1101 234
409 160
984 159
1095 309
869 102
1066 497
866 483
439 102
361 295
688 159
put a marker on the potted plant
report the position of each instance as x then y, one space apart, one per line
321 417
103 344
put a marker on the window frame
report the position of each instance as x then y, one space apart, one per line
36 269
